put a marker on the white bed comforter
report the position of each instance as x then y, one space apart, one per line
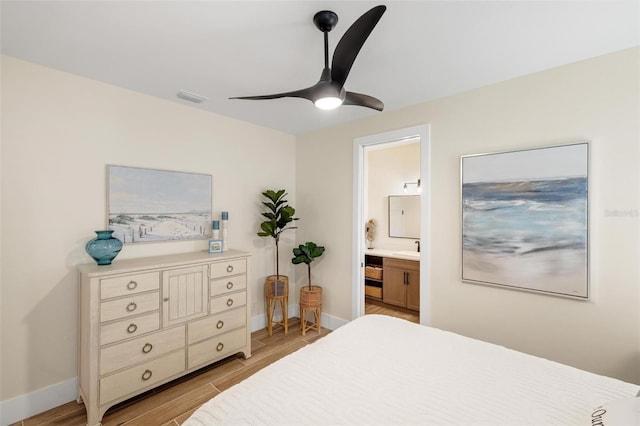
379 370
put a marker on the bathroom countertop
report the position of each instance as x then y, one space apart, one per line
397 254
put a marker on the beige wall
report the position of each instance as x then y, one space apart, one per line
59 131
387 169
596 100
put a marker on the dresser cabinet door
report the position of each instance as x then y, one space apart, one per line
184 294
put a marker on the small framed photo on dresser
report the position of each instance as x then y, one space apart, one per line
215 246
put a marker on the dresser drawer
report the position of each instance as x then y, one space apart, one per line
226 302
133 327
217 348
138 350
231 267
129 306
226 285
216 324
129 284
141 376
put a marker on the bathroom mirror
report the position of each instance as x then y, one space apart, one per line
404 216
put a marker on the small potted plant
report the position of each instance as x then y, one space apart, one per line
310 295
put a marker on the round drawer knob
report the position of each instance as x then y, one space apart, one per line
132 285
220 324
132 307
229 285
132 328
147 348
230 268
220 347
147 375
229 302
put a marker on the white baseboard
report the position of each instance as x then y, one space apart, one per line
27 405
331 322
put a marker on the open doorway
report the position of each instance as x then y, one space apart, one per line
393 190
396 248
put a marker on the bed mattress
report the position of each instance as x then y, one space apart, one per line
379 370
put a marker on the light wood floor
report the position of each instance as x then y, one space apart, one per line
173 403
373 306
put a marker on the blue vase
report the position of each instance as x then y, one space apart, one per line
104 248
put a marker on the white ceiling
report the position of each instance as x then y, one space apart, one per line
420 50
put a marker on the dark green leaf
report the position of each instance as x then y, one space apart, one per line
297 260
267 227
307 253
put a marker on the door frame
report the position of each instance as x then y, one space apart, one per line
422 131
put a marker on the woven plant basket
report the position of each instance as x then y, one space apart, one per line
311 297
276 288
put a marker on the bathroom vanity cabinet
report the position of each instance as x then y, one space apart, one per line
401 283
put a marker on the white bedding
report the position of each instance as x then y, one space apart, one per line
379 370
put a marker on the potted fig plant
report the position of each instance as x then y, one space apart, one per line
310 295
279 216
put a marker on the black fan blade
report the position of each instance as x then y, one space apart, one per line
303 93
351 42
359 99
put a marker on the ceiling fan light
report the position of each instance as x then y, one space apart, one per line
328 102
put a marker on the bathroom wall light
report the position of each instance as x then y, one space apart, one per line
418 186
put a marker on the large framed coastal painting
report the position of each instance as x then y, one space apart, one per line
148 205
525 219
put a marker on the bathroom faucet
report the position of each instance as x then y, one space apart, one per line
418 243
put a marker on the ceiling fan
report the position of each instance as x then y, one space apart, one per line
329 92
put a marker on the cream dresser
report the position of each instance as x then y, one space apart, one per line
144 322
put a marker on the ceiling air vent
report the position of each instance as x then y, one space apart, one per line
191 97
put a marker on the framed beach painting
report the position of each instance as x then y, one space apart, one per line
148 205
525 219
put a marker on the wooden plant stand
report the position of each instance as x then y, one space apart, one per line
310 301
277 292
